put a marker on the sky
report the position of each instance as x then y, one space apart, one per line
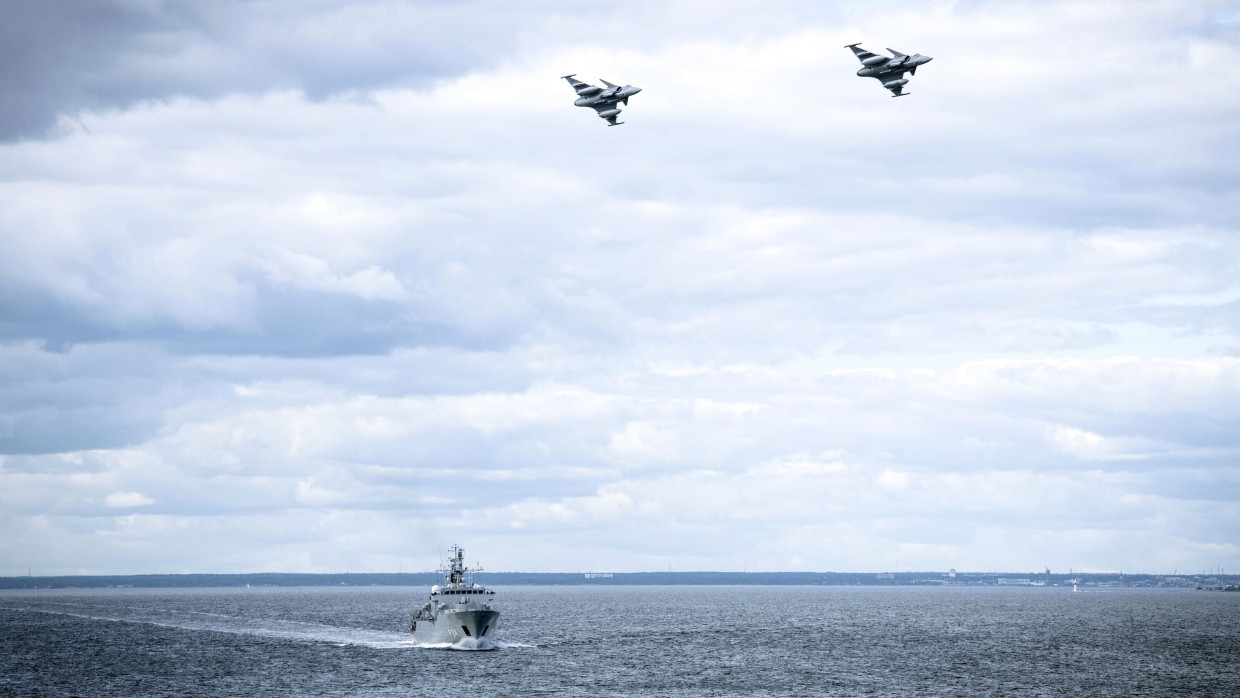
330 286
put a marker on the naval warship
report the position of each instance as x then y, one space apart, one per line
459 612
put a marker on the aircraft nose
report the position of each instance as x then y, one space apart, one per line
634 90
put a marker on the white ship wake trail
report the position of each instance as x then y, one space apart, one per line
261 627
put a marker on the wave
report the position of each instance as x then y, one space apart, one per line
461 646
513 645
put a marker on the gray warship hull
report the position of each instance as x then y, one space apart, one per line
474 629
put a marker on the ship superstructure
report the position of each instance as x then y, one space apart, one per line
458 612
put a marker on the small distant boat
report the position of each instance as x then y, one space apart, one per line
459 612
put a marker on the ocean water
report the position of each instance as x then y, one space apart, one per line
626 641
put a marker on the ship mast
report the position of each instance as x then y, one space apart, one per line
456 570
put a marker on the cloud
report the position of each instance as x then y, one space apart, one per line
305 272
70 58
128 500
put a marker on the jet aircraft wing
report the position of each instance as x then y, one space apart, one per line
862 54
582 88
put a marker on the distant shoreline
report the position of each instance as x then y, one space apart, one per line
280 579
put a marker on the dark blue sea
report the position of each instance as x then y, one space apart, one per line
626 641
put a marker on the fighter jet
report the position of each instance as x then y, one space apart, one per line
889 71
603 101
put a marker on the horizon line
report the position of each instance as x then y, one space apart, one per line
877 574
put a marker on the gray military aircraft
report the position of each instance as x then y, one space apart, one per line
889 71
603 101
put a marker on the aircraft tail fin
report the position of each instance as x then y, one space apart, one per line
896 53
608 84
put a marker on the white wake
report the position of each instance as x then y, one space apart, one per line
237 625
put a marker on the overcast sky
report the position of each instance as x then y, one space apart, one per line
327 286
